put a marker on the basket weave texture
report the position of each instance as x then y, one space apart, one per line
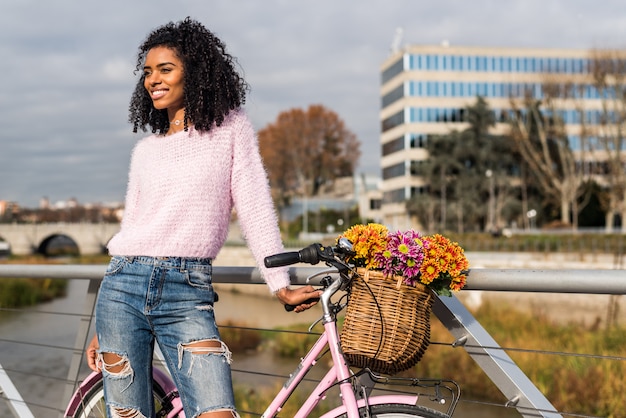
387 323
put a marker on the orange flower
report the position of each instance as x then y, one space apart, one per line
446 262
430 270
367 241
458 283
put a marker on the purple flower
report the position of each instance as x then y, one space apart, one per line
403 255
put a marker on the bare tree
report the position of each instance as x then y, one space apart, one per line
542 139
608 69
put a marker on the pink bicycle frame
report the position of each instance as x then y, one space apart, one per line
339 372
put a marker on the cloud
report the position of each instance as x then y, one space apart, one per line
67 70
117 69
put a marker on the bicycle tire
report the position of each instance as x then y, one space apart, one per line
398 410
92 403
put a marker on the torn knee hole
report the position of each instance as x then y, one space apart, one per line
204 347
115 364
225 413
125 413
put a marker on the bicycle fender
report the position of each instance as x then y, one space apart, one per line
83 388
374 400
161 377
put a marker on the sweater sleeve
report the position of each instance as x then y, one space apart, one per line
253 203
132 189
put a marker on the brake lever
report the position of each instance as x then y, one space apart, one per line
324 282
315 323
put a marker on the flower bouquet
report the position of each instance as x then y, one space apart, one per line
432 260
387 323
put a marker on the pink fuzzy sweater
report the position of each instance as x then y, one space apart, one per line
183 187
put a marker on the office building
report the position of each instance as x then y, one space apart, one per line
426 89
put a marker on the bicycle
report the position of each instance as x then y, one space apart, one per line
355 388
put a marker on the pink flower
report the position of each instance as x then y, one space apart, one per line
403 255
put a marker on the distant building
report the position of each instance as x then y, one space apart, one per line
425 90
370 196
8 210
343 194
44 203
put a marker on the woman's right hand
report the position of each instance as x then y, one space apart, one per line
92 354
298 297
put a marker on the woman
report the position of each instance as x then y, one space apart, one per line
201 160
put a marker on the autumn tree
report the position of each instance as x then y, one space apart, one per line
304 150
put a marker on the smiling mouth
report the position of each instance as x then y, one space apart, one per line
156 94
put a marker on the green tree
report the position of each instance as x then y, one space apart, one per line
456 171
441 168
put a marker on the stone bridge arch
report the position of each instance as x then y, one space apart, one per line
5 247
57 244
90 238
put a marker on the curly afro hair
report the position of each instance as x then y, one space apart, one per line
212 86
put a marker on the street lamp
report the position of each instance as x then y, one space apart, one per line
532 214
491 207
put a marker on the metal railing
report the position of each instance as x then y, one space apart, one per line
519 391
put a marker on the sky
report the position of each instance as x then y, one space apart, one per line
67 69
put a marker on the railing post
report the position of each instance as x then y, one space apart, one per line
82 337
13 397
520 391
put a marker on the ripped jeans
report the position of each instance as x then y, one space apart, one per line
168 300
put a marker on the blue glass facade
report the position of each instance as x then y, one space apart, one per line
486 64
497 64
486 89
453 114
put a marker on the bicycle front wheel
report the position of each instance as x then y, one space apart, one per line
397 410
92 404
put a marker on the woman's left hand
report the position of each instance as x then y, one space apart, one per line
92 354
298 296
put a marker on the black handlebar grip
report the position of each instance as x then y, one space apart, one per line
282 259
310 254
290 308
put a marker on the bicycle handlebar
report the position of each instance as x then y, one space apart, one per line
310 255
313 254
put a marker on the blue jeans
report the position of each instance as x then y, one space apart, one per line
168 300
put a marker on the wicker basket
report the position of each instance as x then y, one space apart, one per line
397 342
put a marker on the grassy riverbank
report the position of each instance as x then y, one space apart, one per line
576 383
546 242
19 292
